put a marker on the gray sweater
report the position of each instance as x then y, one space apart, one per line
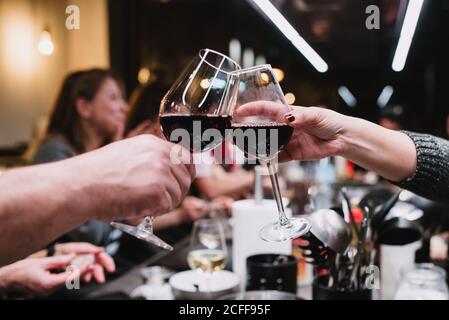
431 179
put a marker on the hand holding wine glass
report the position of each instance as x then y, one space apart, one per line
168 182
317 131
263 135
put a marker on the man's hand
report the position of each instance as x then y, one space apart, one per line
136 177
133 178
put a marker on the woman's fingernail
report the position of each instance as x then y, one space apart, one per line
289 117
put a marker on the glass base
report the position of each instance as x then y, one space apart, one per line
274 232
142 234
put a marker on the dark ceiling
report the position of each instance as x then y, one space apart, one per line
165 35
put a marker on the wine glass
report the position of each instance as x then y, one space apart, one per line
207 252
144 231
194 113
263 136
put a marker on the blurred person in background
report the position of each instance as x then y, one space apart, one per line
391 117
89 112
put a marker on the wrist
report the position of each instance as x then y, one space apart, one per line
78 189
389 153
410 156
346 137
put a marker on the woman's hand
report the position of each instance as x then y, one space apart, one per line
193 208
35 276
223 203
91 258
318 131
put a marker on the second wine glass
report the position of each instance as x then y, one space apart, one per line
195 112
263 135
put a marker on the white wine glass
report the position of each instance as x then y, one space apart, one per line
207 252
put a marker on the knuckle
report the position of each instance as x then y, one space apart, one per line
164 154
162 195
166 201
159 167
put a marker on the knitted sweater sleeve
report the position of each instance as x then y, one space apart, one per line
431 178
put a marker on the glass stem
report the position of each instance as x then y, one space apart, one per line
283 220
147 224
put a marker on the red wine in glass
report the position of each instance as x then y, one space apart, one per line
261 140
194 127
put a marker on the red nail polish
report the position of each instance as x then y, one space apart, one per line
289 117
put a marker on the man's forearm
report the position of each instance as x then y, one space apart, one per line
390 153
38 204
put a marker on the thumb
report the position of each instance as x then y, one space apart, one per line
303 117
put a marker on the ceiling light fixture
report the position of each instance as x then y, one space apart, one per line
406 36
291 34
